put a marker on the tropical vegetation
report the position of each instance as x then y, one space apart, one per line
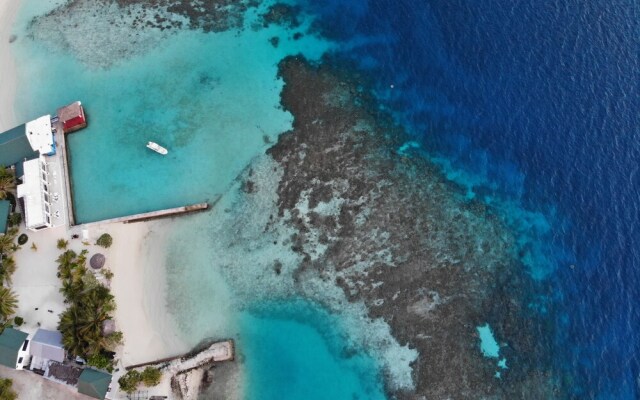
6 390
62 244
15 219
105 240
151 376
8 303
102 361
130 381
7 182
8 299
90 305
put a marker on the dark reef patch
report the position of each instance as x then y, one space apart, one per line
402 239
208 16
282 14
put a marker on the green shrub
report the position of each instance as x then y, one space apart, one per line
151 376
108 274
6 390
22 239
105 240
102 361
18 321
15 219
62 244
129 382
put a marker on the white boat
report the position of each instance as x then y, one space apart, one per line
157 148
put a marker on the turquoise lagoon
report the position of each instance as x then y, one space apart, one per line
285 348
213 101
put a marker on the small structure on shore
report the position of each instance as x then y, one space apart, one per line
13 348
97 261
94 383
46 346
72 117
108 327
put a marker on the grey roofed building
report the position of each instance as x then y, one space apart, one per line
94 383
47 345
11 341
15 146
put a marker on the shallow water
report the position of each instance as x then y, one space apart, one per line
210 99
297 347
528 108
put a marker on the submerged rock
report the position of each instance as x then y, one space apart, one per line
400 238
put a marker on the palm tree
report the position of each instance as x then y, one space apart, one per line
8 302
8 268
6 244
7 182
68 326
66 258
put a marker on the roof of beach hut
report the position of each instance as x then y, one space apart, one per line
11 341
94 383
108 327
97 261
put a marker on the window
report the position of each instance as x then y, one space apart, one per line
20 360
24 346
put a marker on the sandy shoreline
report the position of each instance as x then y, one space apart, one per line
8 12
138 286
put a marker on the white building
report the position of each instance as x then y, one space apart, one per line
42 189
34 191
46 346
40 135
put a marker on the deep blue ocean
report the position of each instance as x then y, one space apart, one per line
539 102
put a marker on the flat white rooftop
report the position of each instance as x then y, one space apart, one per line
40 135
31 191
43 191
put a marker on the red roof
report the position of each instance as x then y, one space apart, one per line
72 116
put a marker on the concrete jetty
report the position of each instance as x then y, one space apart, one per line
215 352
186 372
169 212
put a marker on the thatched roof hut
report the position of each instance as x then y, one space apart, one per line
97 261
108 327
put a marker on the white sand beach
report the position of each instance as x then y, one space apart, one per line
138 286
8 12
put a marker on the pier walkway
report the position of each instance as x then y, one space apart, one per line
169 212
